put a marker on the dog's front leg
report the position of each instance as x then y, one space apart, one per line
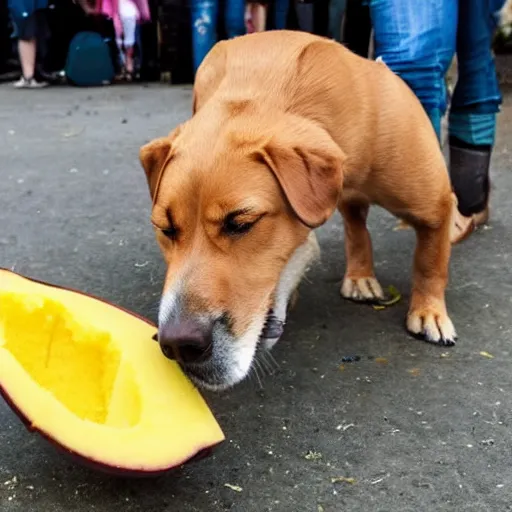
359 283
427 315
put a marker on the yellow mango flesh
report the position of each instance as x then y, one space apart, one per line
89 376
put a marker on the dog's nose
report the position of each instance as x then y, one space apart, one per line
187 341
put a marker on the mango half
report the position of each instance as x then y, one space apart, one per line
88 376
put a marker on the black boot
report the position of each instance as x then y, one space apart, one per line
469 173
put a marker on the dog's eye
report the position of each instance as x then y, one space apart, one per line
233 227
171 233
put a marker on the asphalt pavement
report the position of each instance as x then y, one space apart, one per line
410 426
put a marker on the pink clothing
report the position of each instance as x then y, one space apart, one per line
110 8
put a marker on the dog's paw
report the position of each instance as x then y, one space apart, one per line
363 289
432 326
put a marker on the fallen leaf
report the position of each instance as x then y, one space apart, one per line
486 354
394 297
235 488
341 367
415 372
381 360
343 479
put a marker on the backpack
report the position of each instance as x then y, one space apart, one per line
89 60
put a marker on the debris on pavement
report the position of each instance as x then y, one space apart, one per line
11 484
379 479
394 296
235 488
401 226
350 359
343 479
415 372
381 360
487 442
483 353
312 455
73 133
345 427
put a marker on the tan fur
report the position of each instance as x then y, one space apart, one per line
286 125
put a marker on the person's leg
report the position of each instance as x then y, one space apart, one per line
357 27
27 29
234 18
129 28
304 12
258 16
204 28
336 12
27 51
321 18
281 13
475 103
417 41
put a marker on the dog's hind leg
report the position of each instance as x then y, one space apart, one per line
359 283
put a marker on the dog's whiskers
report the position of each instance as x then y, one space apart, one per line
271 360
264 364
254 371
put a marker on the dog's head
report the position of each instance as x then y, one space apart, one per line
233 207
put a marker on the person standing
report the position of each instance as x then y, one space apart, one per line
418 40
256 16
204 15
336 13
126 14
29 21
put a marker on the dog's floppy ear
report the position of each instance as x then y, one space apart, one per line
309 167
154 156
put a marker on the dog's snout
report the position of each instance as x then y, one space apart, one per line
186 341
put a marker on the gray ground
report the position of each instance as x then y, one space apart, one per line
430 430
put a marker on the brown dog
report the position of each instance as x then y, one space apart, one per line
287 127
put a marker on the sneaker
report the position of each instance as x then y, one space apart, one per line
29 83
22 83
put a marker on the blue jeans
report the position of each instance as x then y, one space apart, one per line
336 12
418 39
204 15
281 13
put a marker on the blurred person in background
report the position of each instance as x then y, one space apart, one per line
29 21
336 13
418 41
126 14
204 25
256 16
